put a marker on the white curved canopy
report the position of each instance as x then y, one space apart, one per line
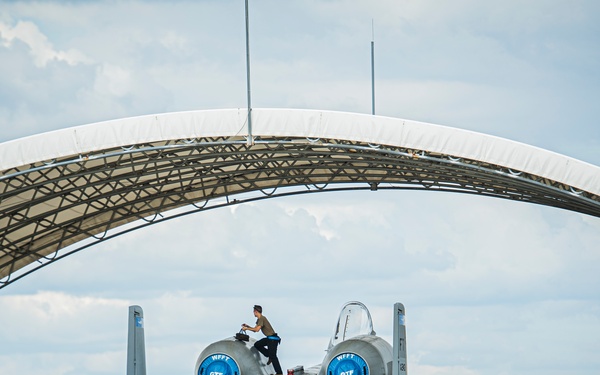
63 191
432 138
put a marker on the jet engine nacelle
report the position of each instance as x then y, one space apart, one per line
354 349
231 357
359 355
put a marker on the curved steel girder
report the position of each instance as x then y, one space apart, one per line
56 208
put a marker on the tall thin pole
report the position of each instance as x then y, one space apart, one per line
372 68
250 137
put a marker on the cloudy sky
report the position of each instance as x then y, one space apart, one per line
490 286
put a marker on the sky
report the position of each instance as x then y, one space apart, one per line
490 286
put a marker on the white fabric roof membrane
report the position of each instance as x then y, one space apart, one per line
445 140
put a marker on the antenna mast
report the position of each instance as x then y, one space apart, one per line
250 139
372 67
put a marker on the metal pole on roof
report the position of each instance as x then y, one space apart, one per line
250 139
372 68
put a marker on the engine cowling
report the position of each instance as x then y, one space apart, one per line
360 355
231 357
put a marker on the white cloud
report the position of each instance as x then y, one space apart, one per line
41 49
440 370
174 42
113 80
48 312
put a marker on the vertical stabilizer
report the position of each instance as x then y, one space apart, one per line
136 352
399 347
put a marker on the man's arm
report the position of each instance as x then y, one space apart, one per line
246 327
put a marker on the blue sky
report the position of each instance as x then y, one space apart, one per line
490 286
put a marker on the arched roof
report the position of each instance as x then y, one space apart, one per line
62 188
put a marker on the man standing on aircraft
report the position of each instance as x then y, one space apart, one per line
267 345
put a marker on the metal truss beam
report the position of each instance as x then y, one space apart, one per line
52 209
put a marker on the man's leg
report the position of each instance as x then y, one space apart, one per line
272 345
261 345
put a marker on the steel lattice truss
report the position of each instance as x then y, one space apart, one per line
120 190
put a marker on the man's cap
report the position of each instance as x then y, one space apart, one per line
258 308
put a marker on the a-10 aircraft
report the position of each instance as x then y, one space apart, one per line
354 349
